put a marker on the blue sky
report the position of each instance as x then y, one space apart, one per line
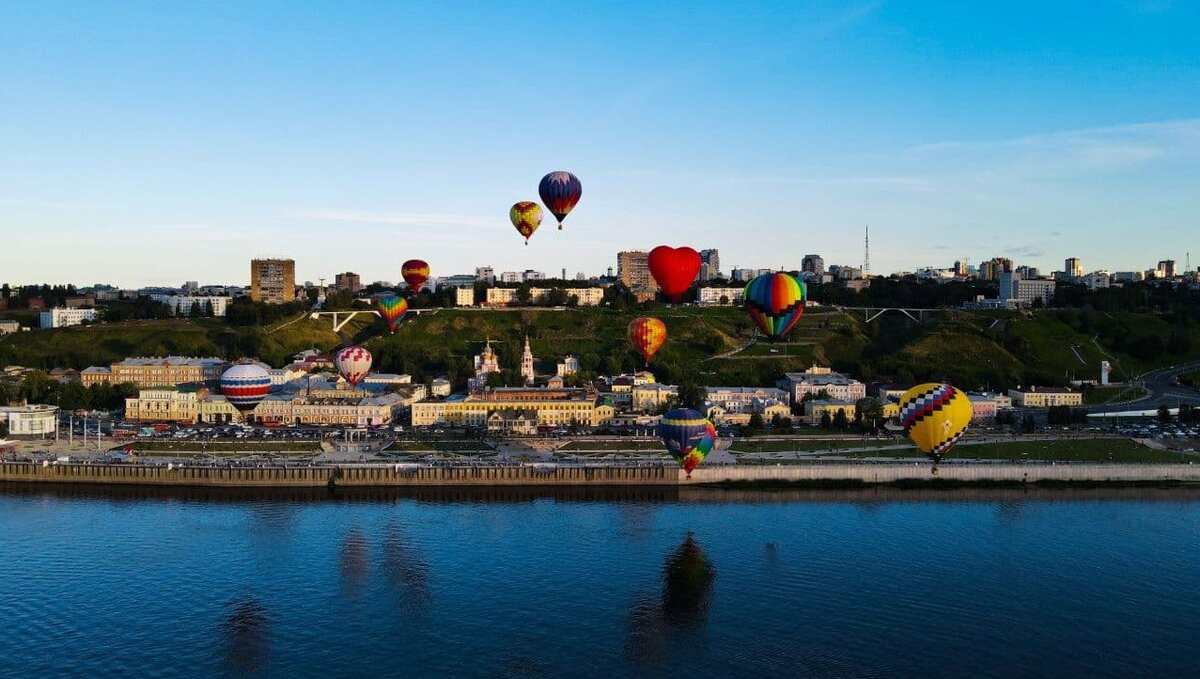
152 143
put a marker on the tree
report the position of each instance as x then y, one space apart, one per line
826 420
1187 414
690 395
781 423
755 424
1164 414
1028 425
869 414
208 308
839 419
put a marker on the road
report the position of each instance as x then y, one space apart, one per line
1163 391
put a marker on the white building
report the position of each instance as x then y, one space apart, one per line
1022 292
184 303
7 326
30 420
501 296
527 363
61 317
568 366
738 399
439 387
817 379
709 296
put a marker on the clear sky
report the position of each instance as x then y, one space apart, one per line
156 142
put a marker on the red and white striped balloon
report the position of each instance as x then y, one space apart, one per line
353 364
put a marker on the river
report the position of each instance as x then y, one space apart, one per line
595 583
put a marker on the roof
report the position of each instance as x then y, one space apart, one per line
173 361
743 390
821 379
96 370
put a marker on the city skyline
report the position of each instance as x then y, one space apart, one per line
356 141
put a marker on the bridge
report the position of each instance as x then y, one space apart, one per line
341 318
871 313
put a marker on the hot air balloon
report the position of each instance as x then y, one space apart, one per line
935 416
353 364
415 273
391 308
526 216
560 191
245 385
775 302
647 335
688 435
674 269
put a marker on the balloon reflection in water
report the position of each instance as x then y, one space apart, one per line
245 634
688 576
352 560
407 571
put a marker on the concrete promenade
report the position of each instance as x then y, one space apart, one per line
383 475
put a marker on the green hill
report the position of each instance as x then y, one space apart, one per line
705 345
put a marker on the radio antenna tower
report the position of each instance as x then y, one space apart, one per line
867 253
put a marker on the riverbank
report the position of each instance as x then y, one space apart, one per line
396 475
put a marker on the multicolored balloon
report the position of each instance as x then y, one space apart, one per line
674 269
245 385
415 273
353 364
647 335
526 216
560 191
688 435
775 301
935 416
391 308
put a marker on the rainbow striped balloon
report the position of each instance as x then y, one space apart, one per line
391 308
688 435
647 335
775 301
560 191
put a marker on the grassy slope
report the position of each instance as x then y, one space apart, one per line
969 349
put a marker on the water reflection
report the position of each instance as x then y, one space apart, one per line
407 571
352 560
682 607
688 577
245 635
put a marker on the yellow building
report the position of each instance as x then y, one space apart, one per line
649 398
353 411
166 371
163 404
550 407
815 410
215 408
1045 397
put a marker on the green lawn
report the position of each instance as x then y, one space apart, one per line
224 446
1075 450
1102 395
615 446
807 445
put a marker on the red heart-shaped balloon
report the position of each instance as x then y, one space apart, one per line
674 269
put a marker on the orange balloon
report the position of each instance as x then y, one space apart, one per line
647 335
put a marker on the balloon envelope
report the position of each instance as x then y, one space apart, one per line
391 308
775 301
688 436
526 217
647 335
415 273
353 364
674 269
560 191
935 416
245 384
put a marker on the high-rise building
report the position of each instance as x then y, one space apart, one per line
961 268
1073 267
348 281
710 265
1167 267
485 274
991 269
633 269
812 264
273 280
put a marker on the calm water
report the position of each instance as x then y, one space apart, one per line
879 583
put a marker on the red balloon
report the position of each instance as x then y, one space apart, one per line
674 269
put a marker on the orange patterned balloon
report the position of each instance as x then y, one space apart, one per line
526 216
647 335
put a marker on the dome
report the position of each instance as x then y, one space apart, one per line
245 384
